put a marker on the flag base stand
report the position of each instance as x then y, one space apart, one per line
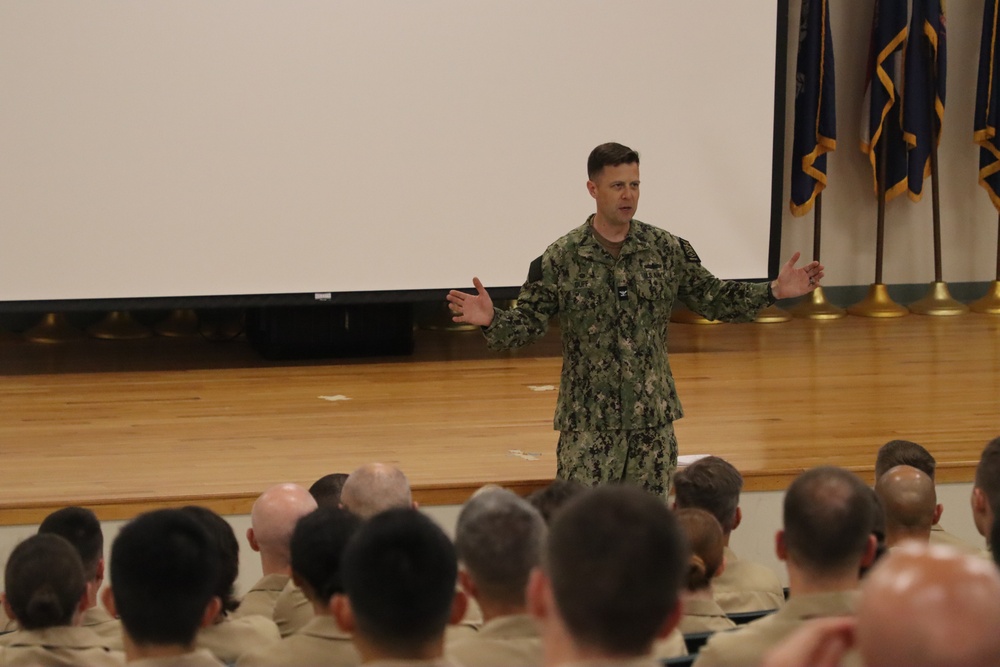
181 323
53 329
877 304
816 307
119 325
772 315
989 304
684 315
938 302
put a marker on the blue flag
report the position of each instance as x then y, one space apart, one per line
987 104
815 106
925 52
881 122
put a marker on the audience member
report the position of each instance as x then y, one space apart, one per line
549 499
164 573
610 579
904 452
714 485
878 530
326 490
909 503
374 488
499 540
701 612
317 546
46 594
923 605
986 488
228 637
399 572
272 520
826 540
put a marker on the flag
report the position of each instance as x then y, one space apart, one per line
815 113
925 51
987 103
881 121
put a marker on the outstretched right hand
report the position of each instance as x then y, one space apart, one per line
472 308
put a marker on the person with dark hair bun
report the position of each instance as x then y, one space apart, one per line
46 593
701 612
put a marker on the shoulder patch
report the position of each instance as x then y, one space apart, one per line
689 253
535 270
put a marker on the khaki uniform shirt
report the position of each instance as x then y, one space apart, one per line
60 645
747 586
500 642
105 626
671 646
262 596
941 536
702 615
321 643
747 644
613 315
292 610
233 637
199 658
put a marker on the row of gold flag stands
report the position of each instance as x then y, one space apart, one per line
120 325
904 117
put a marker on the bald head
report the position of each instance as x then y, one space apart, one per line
910 503
374 488
930 606
273 519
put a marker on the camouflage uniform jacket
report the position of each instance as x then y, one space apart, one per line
615 373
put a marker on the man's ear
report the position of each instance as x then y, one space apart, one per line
673 618
938 511
538 594
212 610
458 606
340 607
99 574
252 539
871 548
108 600
467 584
7 609
737 519
780 548
592 189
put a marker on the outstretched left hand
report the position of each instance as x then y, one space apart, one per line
793 282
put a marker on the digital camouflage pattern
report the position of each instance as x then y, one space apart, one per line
613 315
646 457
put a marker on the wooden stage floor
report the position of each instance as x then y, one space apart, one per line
128 425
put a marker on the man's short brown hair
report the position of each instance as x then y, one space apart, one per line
711 484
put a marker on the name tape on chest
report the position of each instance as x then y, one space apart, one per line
689 253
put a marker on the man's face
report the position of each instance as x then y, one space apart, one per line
616 190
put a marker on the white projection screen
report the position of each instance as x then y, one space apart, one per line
190 148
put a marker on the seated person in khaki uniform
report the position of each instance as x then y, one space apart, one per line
272 520
986 488
828 515
317 546
228 637
904 452
909 502
399 571
163 578
499 540
46 593
610 579
714 485
701 612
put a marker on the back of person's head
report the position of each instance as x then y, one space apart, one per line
400 572
81 528
909 500
318 544
273 517
549 499
226 553
45 582
326 490
704 535
988 474
374 488
904 453
164 571
499 540
609 155
711 484
878 531
616 560
828 520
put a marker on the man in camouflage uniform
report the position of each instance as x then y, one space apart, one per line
613 282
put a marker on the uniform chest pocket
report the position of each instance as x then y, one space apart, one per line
652 285
579 298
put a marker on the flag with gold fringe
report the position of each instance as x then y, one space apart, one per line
815 106
925 77
987 103
881 120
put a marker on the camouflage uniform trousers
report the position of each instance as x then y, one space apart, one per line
645 457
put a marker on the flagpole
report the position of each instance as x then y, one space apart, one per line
815 306
990 304
878 303
938 300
